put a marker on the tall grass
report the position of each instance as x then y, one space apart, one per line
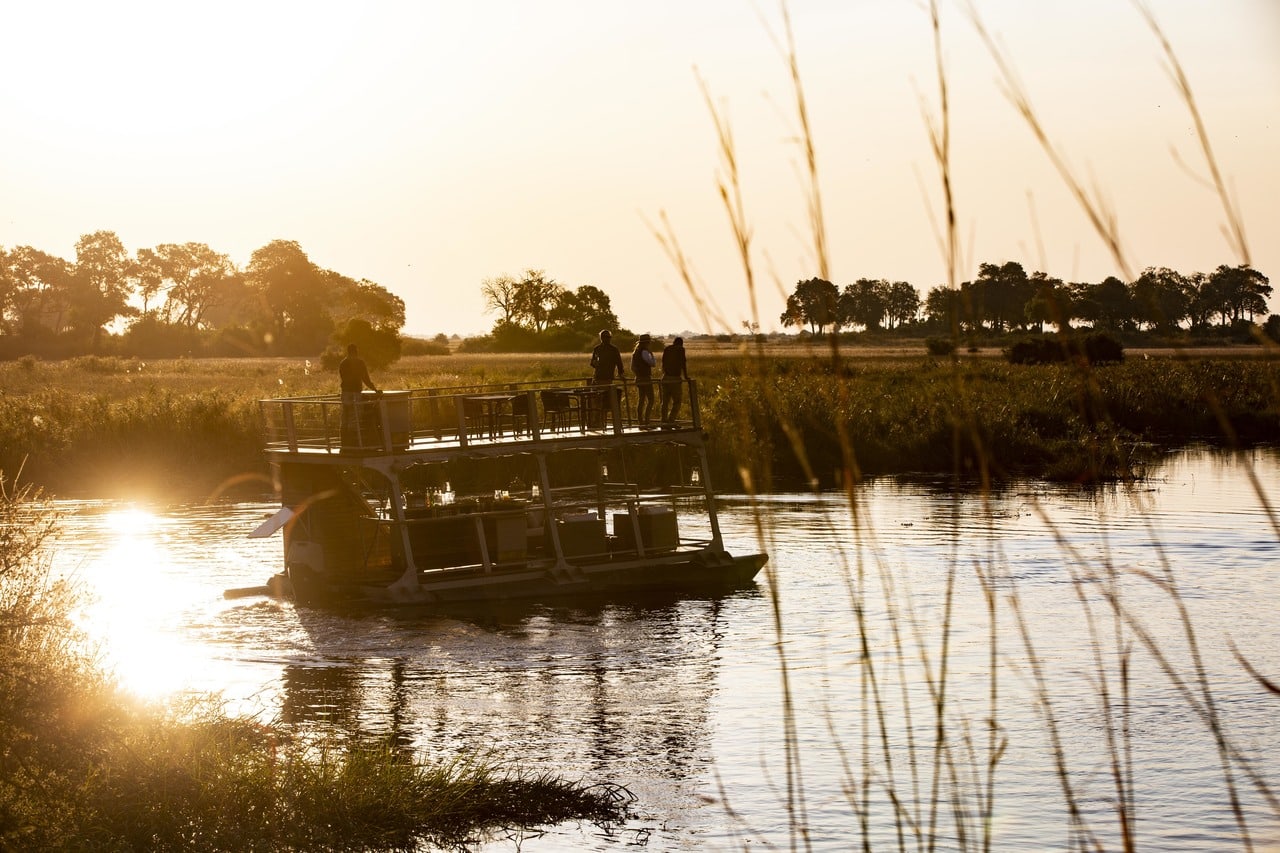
196 427
923 768
85 767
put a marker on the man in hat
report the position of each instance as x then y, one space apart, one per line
642 363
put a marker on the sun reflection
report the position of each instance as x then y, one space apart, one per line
135 611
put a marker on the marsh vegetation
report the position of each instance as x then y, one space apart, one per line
95 426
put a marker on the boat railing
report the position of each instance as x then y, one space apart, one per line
463 416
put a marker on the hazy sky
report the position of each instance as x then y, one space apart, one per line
428 146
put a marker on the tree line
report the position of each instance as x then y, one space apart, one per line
1005 298
179 299
188 299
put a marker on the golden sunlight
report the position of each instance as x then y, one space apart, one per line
132 612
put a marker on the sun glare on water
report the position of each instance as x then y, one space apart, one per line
136 610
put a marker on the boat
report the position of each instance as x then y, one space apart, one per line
492 493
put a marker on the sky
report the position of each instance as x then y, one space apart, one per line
428 146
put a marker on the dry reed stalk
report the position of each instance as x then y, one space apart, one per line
950 757
1105 224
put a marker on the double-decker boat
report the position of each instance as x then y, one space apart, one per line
491 493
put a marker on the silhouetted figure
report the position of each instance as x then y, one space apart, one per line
642 363
353 376
606 361
675 371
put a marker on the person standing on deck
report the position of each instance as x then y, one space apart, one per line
353 376
642 363
605 361
675 372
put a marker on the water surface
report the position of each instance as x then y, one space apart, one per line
682 700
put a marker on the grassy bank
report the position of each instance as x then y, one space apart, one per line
111 426
985 416
84 767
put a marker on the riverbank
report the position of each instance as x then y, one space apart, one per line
121 427
85 766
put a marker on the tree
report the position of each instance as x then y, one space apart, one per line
347 299
292 289
863 303
500 294
536 297
1203 300
37 293
1160 297
148 277
8 286
198 280
814 303
102 284
587 310
942 307
379 346
1000 295
1112 304
1243 291
902 303
1050 302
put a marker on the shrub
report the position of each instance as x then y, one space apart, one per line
379 347
150 338
1095 348
1272 328
1102 348
417 346
236 342
940 346
1035 351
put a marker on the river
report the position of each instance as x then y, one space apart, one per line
802 713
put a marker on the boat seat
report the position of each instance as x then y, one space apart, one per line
558 408
520 420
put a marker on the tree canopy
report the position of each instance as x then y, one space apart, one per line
537 312
181 298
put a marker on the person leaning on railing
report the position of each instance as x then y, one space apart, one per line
353 376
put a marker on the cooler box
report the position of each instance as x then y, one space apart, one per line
581 535
507 540
658 529
397 408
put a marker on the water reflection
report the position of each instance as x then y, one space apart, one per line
598 686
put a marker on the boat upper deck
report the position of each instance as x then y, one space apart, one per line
513 417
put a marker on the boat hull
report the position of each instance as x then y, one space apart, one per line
699 571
